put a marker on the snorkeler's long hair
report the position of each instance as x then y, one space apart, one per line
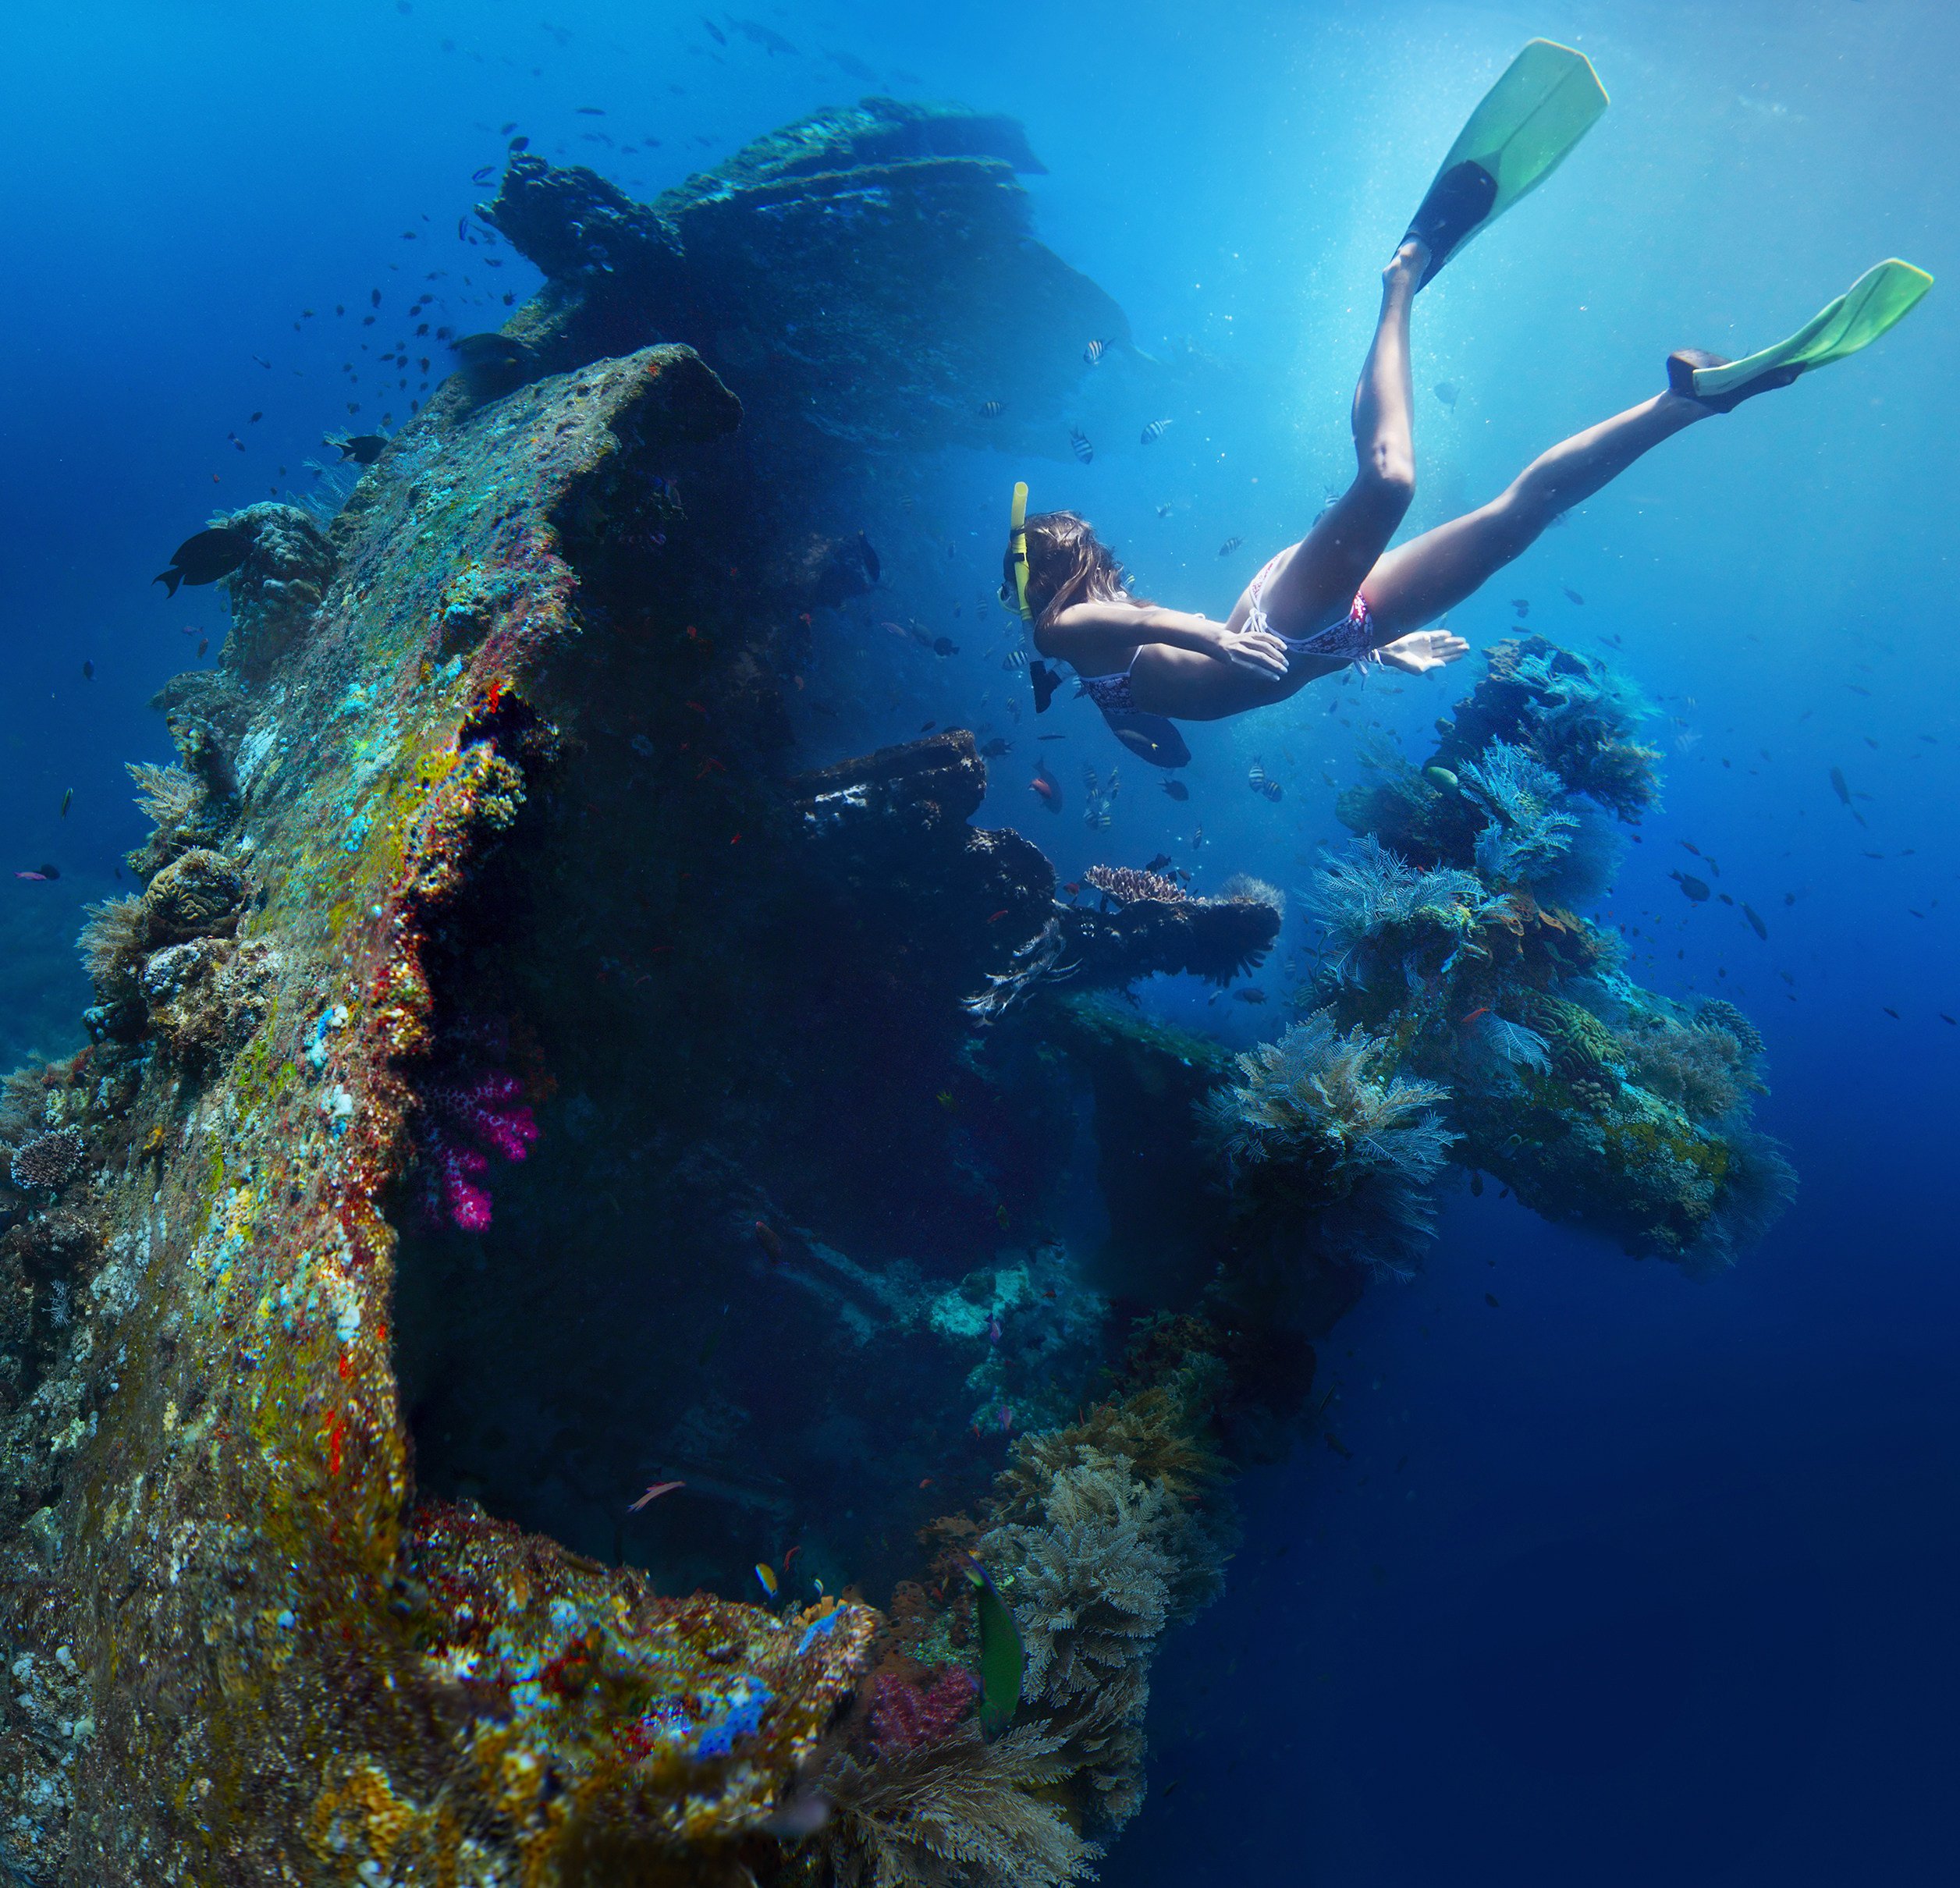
1067 564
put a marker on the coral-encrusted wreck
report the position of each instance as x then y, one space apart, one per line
488 810
525 1081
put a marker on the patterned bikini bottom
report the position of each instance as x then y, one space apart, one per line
1351 640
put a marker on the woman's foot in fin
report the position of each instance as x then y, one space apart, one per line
1425 649
1683 362
1407 265
1457 203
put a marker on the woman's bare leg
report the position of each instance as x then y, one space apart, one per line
1416 582
1315 586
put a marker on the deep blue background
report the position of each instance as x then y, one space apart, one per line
1631 1578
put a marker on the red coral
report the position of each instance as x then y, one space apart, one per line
903 1718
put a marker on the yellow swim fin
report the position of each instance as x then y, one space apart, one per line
1548 98
1878 300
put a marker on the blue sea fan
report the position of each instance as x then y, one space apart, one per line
1329 1112
1378 909
1580 720
1530 830
1511 1044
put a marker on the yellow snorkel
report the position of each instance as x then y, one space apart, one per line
1018 548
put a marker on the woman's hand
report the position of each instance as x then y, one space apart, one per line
1259 650
1425 649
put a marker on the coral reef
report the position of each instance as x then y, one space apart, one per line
1320 1124
1101 1534
1127 886
904 1717
198 894
48 1161
277 589
471 1108
1599 1101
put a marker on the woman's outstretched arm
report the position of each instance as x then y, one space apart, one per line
1099 638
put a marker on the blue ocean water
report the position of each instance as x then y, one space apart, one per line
1628 1572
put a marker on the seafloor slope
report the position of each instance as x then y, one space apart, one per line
521 1081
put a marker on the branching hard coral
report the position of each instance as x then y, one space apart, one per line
49 1161
1127 886
1380 911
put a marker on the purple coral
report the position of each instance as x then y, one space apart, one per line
473 1107
903 1718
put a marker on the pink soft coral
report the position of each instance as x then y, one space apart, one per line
903 1718
474 1108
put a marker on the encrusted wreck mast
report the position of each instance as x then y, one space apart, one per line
242 1651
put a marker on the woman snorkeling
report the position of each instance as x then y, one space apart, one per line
1339 596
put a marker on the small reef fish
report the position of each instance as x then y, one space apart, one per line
1078 444
1159 863
770 1240
766 1573
1695 888
1044 786
1571 594
714 32
868 557
88 671
992 749
767 37
1163 511
1755 923
1441 778
1522 604
484 175
1229 546
68 800
992 409
1447 393
1094 351
654 1494
1156 430
1015 660
33 878
204 558
1253 995
944 645
363 448
1838 785
1000 1654
1177 789
1482 1009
